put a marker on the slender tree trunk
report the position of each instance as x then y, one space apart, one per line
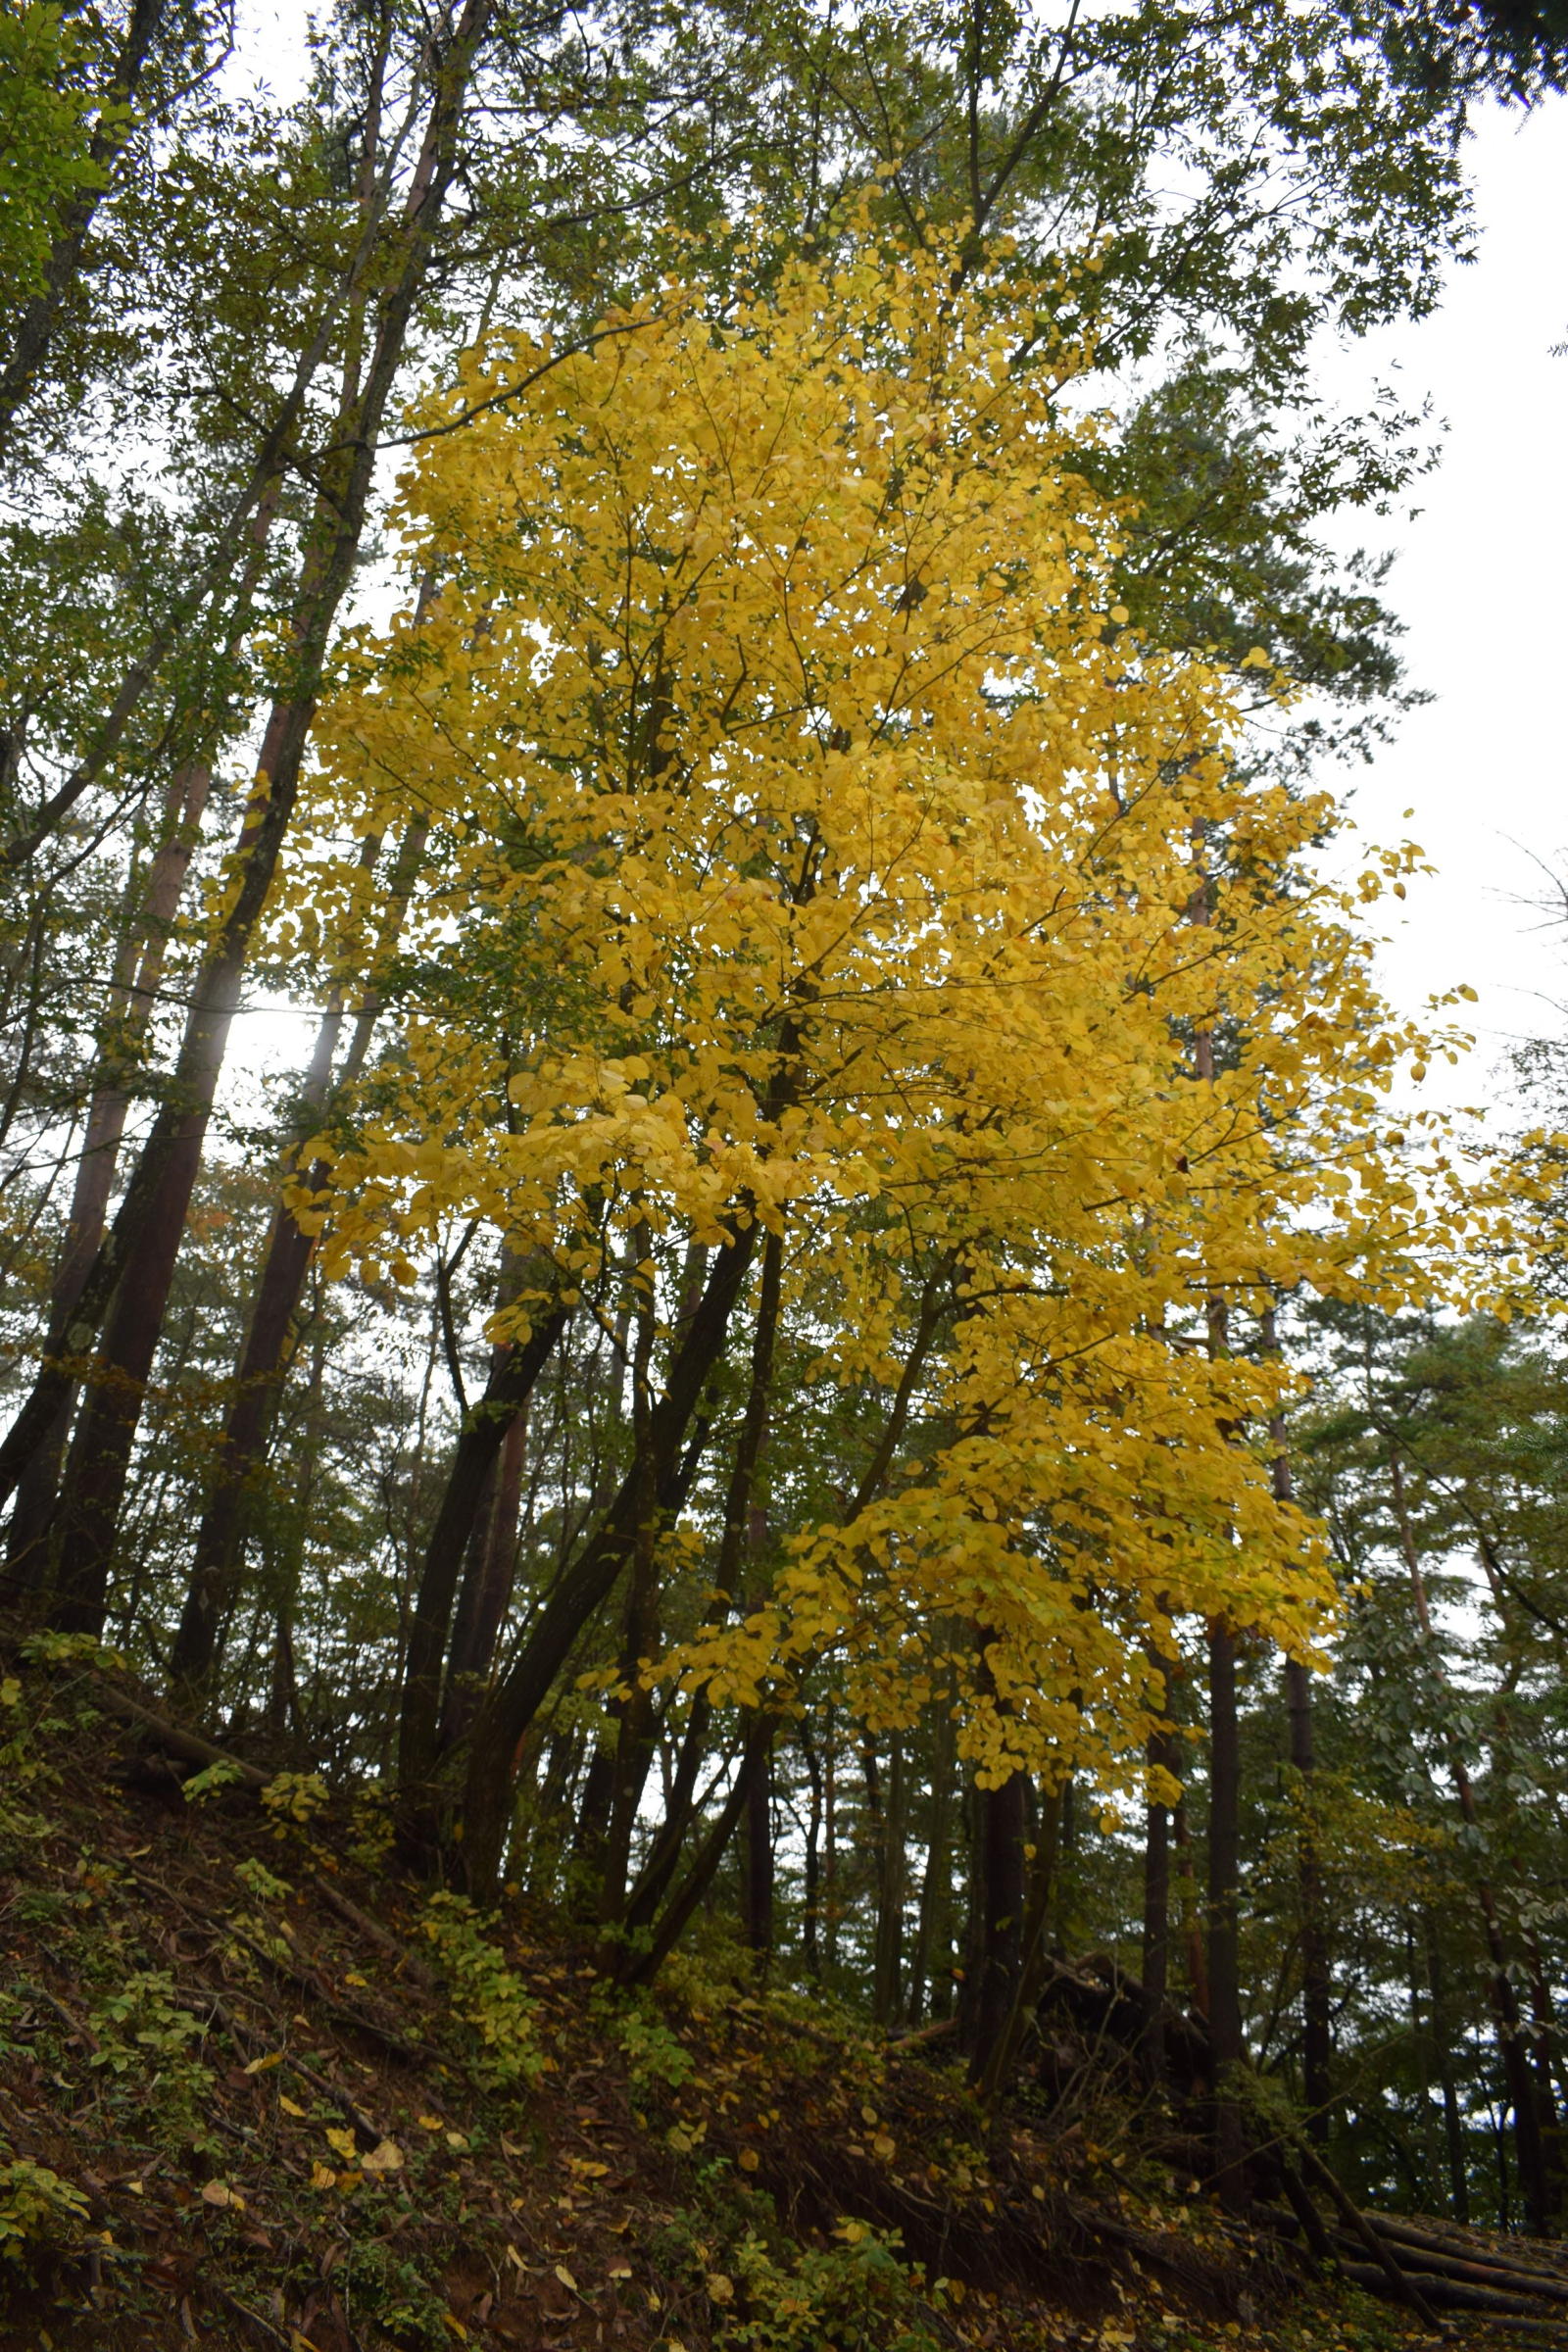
1191 1932
888 1948
1317 1992
585 1586
936 1880
645 1965
134 1267
1162 1757
1453 2121
479 1442
811 1907
265 1359
759 1873
1224 1890
132 994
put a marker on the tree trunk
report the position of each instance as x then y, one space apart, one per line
1162 1757
132 994
1453 2121
263 1361
936 1880
1317 1992
888 1948
997 1934
484 1429
585 1586
134 1267
758 1874
1224 1875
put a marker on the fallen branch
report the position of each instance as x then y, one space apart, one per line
1453 2295
189 1747
409 1963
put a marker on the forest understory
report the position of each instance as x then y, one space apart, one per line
261 2093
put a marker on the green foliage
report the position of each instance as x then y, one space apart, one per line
263 1883
377 2285
487 1997
293 1799
653 2051
46 121
38 2211
212 1781
858 2295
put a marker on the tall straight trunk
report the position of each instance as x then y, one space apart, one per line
1535 2190
1317 1992
636 1729
131 994
127 1287
1162 1757
936 1883
811 1904
1442 2052
1544 2044
892 1872
1192 1947
996 1929
274 1314
759 1871
1224 1890
1317 1989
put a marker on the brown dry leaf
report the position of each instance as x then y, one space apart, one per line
219 2192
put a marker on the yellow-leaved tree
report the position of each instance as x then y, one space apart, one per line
858 974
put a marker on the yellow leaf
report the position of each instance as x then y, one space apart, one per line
385 2157
748 2160
264 2066
343 2142
719 2288
323 2176
565 2277
288 2106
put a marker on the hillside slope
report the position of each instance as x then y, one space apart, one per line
257 2089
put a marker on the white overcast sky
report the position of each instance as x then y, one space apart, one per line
1480 585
